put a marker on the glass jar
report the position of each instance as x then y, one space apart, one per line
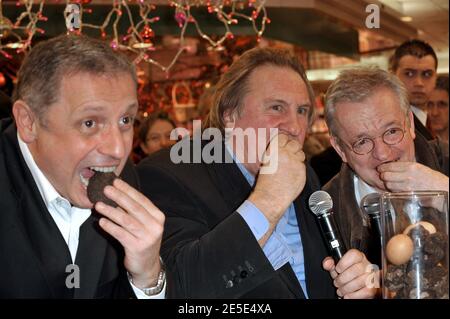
415 248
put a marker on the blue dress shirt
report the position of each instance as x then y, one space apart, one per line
285 243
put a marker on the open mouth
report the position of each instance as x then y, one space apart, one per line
87 173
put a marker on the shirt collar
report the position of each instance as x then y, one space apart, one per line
421 115
361 188
48 192
248 176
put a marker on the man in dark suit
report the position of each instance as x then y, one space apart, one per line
415 63
73 108
237 228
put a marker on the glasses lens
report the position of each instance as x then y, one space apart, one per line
393 136
363 146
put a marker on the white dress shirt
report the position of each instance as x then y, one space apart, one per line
68 218
361 190
421 114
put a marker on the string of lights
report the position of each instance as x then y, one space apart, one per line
139 37
23 29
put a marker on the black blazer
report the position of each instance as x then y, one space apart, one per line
422 129
33 253
207 246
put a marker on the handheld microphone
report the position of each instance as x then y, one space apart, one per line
370 204
320 203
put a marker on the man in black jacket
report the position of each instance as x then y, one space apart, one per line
415 63
73 108
238 224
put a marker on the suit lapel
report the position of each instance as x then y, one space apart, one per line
288 276
318 281
231 183
424 153
91 258
348 203
48 245
422 128
309 251
97 259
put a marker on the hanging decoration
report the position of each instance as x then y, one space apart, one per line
23 29
139 38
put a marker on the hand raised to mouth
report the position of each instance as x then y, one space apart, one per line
411 176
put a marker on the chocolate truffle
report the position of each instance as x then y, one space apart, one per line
97 184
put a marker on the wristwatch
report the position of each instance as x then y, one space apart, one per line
151 291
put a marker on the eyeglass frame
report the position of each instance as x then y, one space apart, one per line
372 139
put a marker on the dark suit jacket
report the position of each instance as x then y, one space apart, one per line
208 247
422 129
33 253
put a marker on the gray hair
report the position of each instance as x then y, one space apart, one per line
41 73
356 85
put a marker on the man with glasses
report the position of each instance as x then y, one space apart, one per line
372 129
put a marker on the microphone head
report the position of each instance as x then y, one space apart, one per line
370 204
320 202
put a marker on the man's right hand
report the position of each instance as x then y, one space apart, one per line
275 191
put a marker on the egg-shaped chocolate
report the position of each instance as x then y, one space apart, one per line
399 249
96 186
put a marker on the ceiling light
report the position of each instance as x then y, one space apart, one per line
14 45
406 19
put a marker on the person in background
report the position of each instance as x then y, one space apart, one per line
438 108
415 63
154 133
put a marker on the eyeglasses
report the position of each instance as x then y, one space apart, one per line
365 145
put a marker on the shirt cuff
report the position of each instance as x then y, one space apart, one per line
277 250
141 295
255 219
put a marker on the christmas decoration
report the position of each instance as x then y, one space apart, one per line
139 38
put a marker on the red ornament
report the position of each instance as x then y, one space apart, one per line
2 79
180 17
145 41
147 34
